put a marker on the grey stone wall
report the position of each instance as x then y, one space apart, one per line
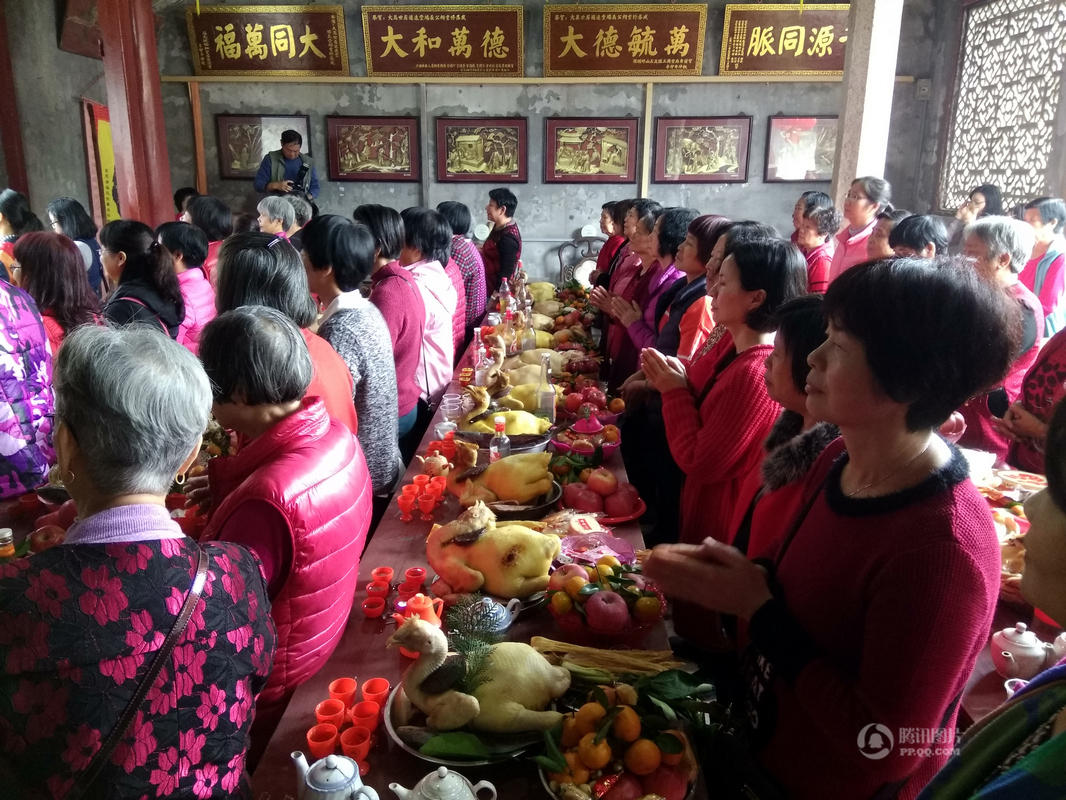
50 80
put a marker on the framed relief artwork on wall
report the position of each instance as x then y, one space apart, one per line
583 150
482 149
702 149
800 149
244 139
373 148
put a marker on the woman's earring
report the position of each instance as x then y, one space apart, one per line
69 480
179 479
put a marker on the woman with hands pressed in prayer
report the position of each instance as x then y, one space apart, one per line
881 591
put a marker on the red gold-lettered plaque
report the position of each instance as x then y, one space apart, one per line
784 39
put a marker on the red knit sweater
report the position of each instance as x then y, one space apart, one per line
717 444
881 608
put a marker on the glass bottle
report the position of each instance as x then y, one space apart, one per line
505 296
512 338
500 444
545 390
481 362
529 335
7 544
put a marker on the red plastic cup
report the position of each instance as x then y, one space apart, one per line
322 739
420 481
439 480
355 743
382 574
331 711
343 689
414 576
406 502
374 607
365 715
377 589
426 503
376 690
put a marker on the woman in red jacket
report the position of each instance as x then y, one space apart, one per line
865 624
297 494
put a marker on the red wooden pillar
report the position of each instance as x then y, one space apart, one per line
10 128
135 104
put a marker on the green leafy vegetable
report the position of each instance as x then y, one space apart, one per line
454 745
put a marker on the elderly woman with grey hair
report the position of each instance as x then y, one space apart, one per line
999 248
276 215
297 493
104 687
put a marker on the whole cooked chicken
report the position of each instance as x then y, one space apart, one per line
518 478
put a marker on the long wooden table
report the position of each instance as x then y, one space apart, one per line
362 654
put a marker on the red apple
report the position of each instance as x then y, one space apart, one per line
607 611
603 482
623 502
46 537
573 402
668 782
587 409
579 497
627 787
562 573
594 395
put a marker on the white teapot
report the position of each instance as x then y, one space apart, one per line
330 778
1018 653
443 785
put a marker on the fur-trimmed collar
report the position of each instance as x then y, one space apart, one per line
790 453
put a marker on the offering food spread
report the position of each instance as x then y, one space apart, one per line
469 547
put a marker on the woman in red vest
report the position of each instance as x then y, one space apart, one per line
297 494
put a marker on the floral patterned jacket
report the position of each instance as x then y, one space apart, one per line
25 394
80 625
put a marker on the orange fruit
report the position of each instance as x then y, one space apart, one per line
561 603
594 574
610 434
571 733
563 336
643 757
647 609
610 693
593 754
617 405
626 725
588 717
611 561
573 585
576 772
673 759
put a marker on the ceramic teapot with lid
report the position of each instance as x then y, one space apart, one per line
1018 653
443 785
330 778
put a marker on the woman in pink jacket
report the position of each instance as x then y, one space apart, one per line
297 494
187 245
866 198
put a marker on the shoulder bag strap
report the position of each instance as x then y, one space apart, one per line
84 781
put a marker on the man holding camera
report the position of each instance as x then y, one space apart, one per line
288 171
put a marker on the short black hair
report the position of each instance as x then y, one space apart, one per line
257 269
457 214
775 266
707 230
330 240
1051 209
993 199
801 327
212 216
257 355
427 232
673 226
617 209
505 199
290 136
826 219
918 231
16 208
74 221
190 241
386 225
646 211
935 334
182 196
893 215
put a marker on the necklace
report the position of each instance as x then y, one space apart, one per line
892 474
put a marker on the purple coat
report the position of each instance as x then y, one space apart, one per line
26 400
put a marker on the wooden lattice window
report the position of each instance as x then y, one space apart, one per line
1006 100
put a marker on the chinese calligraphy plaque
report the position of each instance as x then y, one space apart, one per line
290 41
784 39
618 39
444 41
